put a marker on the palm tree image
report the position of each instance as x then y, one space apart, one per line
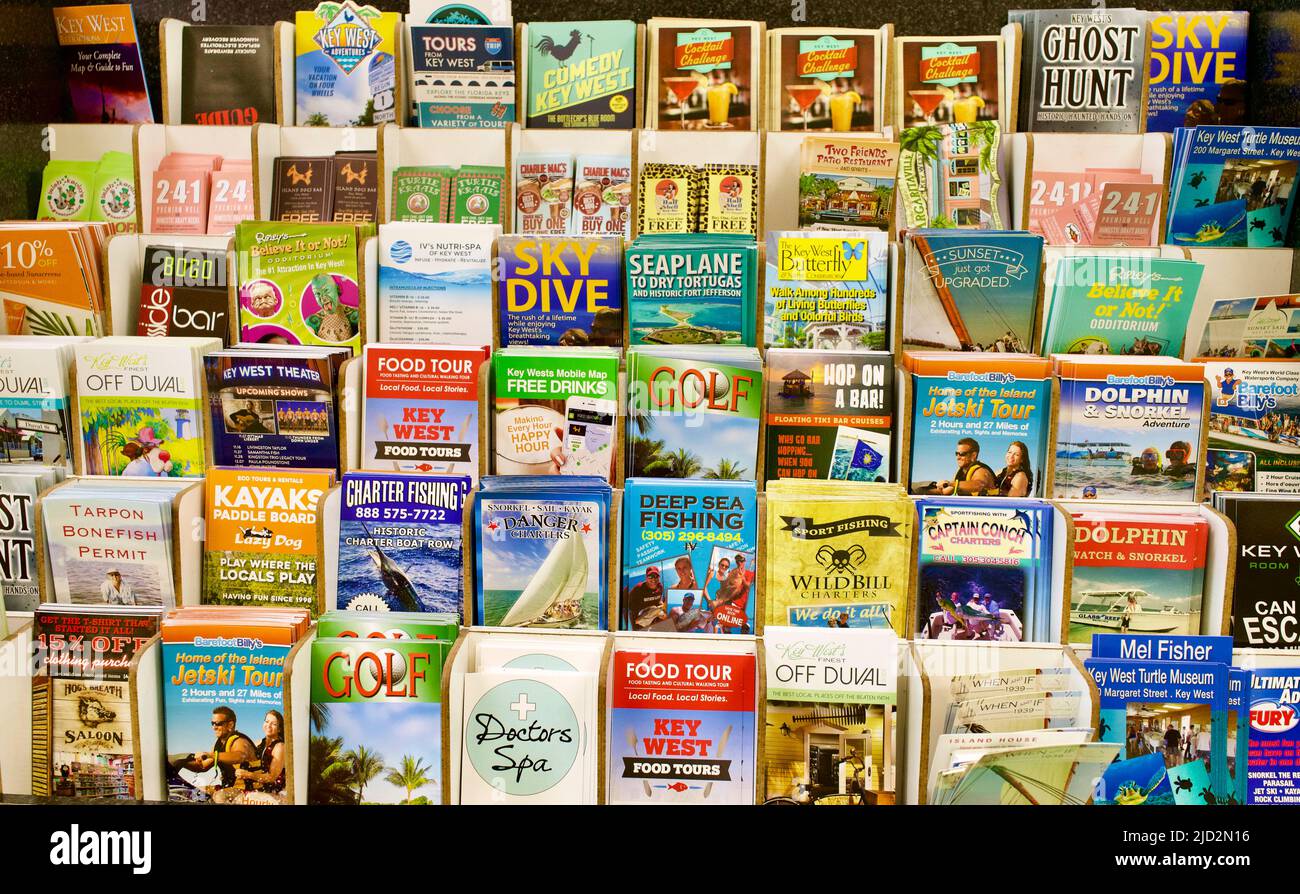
316 119
411 774
332 776
680 463
366 766
725 470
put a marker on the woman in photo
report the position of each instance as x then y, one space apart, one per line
1017 478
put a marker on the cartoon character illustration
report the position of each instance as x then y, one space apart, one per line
334 321
146 457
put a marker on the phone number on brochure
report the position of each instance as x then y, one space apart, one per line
714 536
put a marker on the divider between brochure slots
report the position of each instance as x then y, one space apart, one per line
459 661
928 701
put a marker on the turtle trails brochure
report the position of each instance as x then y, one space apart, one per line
826 79
400 542
542 552
1198 69
839 554
561 290
1083 70
689 556
1123 304
1154 691
274 408
1254 435
1128 429
971 291
382 699
140 406
1232 186
696 412
555 411
82 742
580 74
1137 572
830 414
421 409
980 423
223 674
1264 612
101 56
260 548
682 726
827 291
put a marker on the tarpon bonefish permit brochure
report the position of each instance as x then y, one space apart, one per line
681 728
261 536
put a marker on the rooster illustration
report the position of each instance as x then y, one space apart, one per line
560 52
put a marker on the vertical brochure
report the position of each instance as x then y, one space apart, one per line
682 727
581 74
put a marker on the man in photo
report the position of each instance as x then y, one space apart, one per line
215 769
246 422
645 602
973 477
116 591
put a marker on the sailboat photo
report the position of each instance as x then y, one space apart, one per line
553 598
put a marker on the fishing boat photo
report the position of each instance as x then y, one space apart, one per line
396 581
553 598
1105 608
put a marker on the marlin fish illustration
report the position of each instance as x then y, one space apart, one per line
399 586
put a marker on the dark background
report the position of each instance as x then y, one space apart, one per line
34 93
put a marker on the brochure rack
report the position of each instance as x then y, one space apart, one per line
463 660
722 644
929 695
170 37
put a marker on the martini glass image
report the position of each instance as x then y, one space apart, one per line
804 95
927 101
682 88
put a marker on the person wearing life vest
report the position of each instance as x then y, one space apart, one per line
972 478
231 748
